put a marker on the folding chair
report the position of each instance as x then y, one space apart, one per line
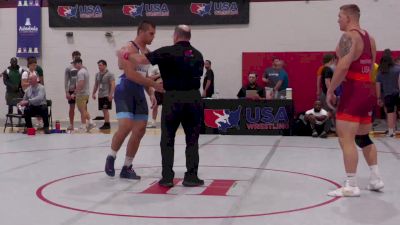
10 116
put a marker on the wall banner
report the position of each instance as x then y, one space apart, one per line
28 28
106 13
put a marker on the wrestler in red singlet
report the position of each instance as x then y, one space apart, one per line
359 96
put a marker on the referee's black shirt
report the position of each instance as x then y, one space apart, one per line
181 66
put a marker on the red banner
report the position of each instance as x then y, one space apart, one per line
302 70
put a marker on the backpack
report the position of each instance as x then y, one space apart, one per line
300 126
20 71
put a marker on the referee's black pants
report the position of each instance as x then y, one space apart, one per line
181 107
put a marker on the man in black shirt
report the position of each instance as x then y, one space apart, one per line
252 86
329 61
181 67
208 82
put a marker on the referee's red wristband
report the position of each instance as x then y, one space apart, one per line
126 55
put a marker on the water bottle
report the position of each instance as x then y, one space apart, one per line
58 125
289 93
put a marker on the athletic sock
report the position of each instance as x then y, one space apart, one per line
351 178
128 161
374 172
113 153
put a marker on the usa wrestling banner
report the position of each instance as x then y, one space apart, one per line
247 117
28 28
106 13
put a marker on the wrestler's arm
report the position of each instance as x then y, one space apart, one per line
346 51
139 59
130 68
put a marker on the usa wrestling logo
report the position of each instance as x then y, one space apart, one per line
133 10
223 119
201 9
68 11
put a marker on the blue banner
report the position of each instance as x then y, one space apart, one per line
28 28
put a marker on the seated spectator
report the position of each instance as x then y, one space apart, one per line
34 103
318 120
252 86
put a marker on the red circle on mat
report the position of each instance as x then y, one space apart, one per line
40 195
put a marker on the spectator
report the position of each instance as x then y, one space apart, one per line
34 103
208 82
317 118
156 76
38 69
70 77
105 83
12 79
329 61
387 90
243 92
397 61
82 95
26 74
276 78
319 73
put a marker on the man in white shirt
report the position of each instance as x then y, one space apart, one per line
317 118
81 95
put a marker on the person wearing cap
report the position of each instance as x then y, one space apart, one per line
181 66
81 95
70 76
12 79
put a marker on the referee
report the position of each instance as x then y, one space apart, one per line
181 67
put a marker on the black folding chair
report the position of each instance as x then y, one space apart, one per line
15 114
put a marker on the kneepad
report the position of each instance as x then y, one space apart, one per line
363 140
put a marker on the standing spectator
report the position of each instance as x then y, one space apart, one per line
329 61
156 76
387 90
318 120
26 74
319 72
81 95
397 61
105 83
34 103
12 79
208 82
276 78
38 69
70 78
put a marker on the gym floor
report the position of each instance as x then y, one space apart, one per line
59 179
